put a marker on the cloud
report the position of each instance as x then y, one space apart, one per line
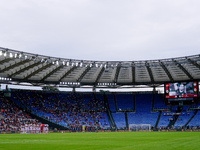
102 30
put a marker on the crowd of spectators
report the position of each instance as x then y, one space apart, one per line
71 110
11 117
89 111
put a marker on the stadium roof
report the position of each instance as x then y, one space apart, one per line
20 68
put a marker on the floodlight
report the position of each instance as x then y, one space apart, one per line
57 62
81 64
11 55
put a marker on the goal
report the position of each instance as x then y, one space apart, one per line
139 127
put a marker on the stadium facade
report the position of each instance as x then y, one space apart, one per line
177 108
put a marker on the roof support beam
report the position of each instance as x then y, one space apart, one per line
99 75
166 71
184 70
74 67
194 63
150 72
14 65
117 72
5 60
52 72
37 71
133 72
82 75
26 68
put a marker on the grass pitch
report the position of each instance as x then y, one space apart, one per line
102 141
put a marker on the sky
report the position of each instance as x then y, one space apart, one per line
107 30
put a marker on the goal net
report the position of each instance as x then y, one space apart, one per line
139 127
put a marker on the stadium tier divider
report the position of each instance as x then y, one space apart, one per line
115 102
177 111
194 120
110 117
51 124
112 106
126 119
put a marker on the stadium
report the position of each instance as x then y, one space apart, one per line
24 111
99 75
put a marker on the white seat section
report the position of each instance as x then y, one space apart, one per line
74 75
192 69
27 72
17 68
142 74
125 75
4 65
91 75
41 74
56 76
177 73
108 75
2 58
9 63
159 73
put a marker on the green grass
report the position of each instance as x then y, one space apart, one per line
103 141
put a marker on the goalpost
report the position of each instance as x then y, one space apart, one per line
139 127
